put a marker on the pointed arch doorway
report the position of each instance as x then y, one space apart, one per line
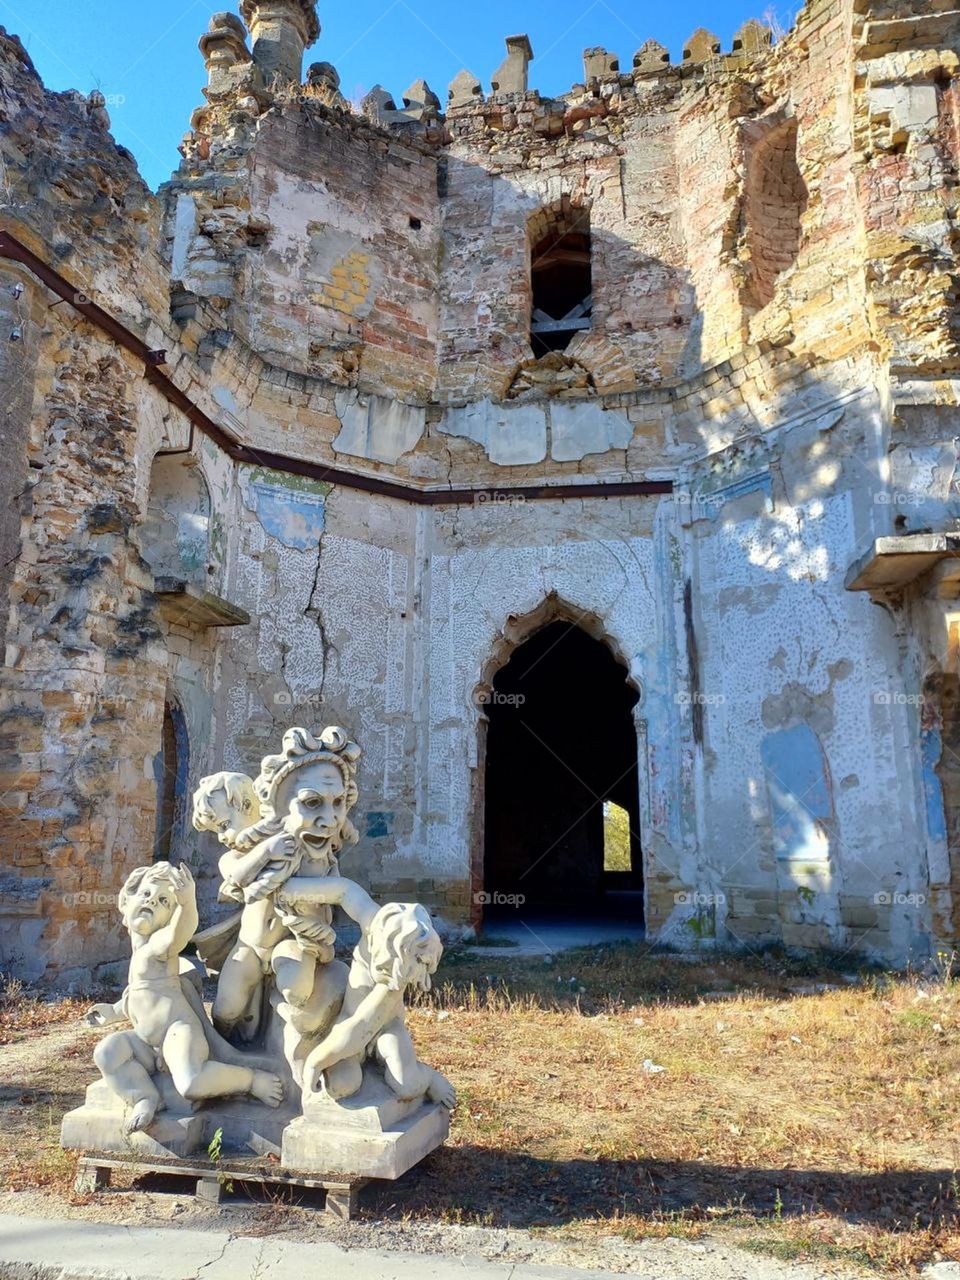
561 828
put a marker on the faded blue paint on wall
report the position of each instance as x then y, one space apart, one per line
379 825
799 791
290 515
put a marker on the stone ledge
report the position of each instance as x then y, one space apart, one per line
182 602
892 563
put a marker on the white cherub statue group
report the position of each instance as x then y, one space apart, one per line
282 834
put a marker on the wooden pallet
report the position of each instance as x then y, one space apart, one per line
213 1180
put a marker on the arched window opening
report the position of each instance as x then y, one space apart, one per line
776 198
561 276
176 532
172 771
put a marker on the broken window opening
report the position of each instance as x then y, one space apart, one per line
561 277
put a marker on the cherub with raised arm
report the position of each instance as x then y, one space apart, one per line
227 804
159 908
303 799
399 948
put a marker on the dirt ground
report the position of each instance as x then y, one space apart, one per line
609 1099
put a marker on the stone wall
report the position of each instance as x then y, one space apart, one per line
344 297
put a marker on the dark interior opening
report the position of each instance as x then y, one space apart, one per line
171 769
562 749
561 280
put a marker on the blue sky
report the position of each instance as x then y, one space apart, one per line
143 53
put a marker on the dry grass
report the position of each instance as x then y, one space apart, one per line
820 1124
796 1114
23 1012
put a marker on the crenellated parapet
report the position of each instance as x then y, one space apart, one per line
603 77
324 80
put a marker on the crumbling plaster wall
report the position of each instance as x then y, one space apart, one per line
322 249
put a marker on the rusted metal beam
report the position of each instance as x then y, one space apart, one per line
15 251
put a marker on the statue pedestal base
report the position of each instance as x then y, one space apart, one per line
371 1135
99 1126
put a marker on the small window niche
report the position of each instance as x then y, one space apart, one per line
561 276
176 532
776 199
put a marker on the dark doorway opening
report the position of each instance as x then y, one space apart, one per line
172 770
561 278
562 809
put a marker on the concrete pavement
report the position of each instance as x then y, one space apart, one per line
44 1248
58 1249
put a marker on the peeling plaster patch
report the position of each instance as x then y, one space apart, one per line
185 221
923 484
796 703
349 276
176 532
931 751
827 421
708 505
511 434
579 429
290 508
801 804
376 428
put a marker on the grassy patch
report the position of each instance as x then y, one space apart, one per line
804 1111
23 1011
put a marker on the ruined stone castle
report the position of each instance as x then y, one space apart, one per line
572 452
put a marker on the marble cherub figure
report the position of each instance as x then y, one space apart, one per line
227 804
398 949
305 795
159 908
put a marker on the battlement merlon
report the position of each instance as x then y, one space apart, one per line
280 31
511 76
